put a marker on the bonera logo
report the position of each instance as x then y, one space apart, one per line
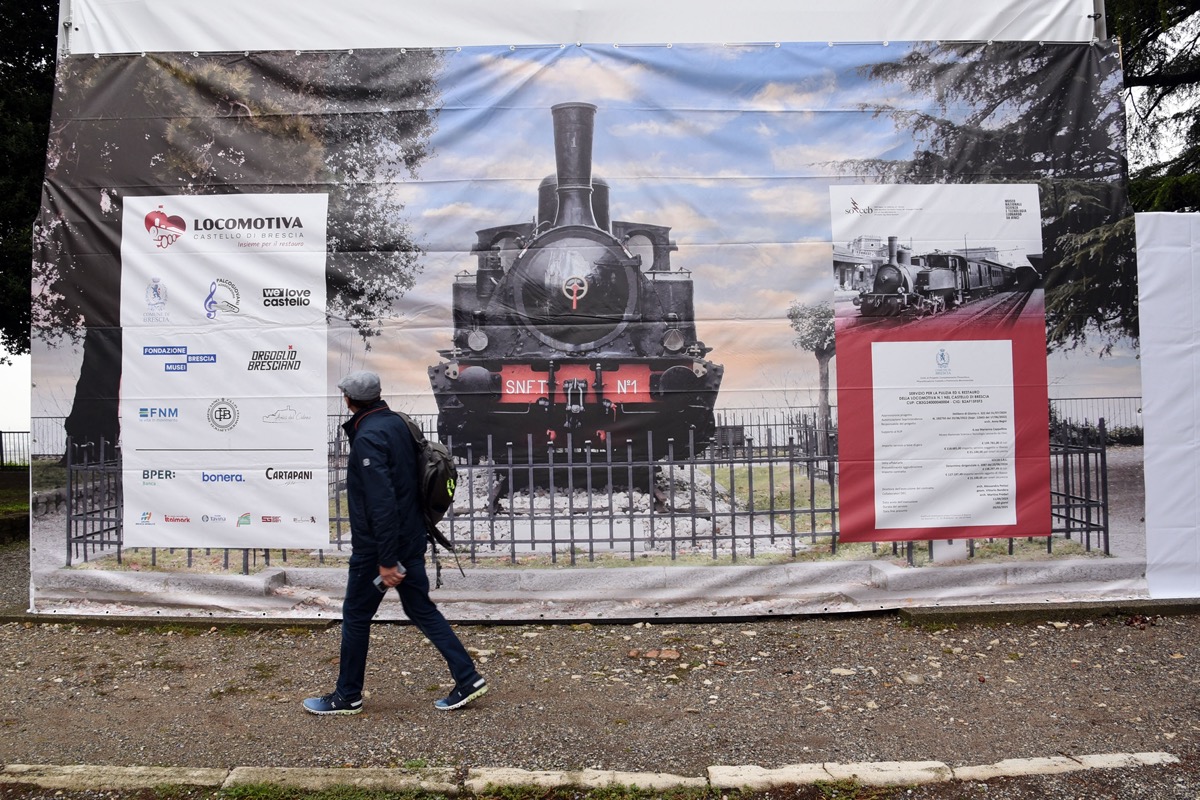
223 414
164 230
222 477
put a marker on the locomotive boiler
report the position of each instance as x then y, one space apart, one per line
934 282
574 335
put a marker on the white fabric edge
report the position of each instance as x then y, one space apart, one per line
131 26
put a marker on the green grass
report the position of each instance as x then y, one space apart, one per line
47 474
14 491
794 505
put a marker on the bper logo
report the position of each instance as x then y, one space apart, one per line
151 477
223 414
165 230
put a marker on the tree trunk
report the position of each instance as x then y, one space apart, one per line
824 423
93 414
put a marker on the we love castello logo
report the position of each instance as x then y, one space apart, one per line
165 230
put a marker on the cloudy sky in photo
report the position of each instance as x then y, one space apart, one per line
733 147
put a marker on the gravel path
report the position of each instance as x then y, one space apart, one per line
661 698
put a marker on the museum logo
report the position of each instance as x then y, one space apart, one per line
164 230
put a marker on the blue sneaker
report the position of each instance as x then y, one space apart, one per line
332 703
463 695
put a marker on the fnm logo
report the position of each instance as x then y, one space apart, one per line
158 413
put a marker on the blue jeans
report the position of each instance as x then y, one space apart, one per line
361 603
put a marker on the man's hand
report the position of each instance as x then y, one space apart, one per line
391 575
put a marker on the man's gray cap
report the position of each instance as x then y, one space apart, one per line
360 386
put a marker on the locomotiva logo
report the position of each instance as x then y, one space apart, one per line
163 229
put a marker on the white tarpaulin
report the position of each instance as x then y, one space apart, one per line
1169 299
121 26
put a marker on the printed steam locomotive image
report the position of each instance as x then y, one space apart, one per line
575 334
933 282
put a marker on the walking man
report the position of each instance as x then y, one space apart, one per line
388 540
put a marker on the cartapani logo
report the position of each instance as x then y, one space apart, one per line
164 230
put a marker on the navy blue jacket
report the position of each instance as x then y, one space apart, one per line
381 485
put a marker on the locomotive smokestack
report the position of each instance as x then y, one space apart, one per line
893 249
574 124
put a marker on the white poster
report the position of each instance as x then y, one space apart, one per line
944 434
941 343
222 408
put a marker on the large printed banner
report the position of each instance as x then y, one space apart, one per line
223 365
559 258
943 349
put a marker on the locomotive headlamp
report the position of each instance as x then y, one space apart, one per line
477 340
674 340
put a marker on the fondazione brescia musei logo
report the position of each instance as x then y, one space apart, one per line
163 229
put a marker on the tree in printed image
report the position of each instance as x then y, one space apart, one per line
1031 113
814 328
350 126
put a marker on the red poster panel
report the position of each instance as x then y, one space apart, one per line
942 387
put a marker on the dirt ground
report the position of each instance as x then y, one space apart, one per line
672 697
